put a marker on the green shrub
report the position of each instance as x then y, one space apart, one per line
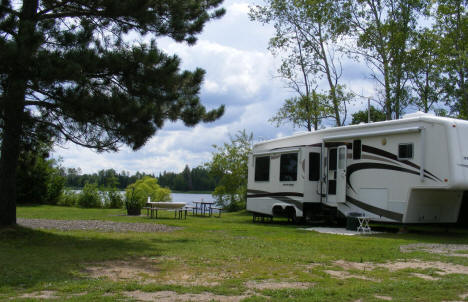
113 199
136 194
55 187
38 180
230 202
68 199
90 197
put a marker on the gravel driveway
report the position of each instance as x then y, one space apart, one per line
94 225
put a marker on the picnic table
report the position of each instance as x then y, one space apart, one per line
205 208
179 209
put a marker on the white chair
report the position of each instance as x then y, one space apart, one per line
363 225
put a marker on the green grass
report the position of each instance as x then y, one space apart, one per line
225 252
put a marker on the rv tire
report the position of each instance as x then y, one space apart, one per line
291 214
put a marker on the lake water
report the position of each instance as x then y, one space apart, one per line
189 198
181 197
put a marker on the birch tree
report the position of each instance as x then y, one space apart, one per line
307 33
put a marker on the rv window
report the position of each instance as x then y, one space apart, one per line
314 166
357 149
262 168
332 160
342 158
405 151
288 167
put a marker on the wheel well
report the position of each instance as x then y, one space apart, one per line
290 211
278 210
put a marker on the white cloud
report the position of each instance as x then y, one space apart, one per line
239 74
242 72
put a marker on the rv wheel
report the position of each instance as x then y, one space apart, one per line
291 214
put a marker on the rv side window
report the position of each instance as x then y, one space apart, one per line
314 166
357 149
405 151
332 159
262 168
288 167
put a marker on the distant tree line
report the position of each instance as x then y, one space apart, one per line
196 179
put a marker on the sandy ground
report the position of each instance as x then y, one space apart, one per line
95 225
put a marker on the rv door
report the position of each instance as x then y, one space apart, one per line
341 174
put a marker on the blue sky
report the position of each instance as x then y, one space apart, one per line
240 73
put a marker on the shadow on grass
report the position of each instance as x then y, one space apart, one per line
29 257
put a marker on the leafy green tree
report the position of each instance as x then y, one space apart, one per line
89 197
39 180
229 163
180 183
202 180
188 178
306 35
383 30
113 199
362 116
147 187
304 112
451 26
66 66
425 70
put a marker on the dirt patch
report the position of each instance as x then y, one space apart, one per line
442 268
457 250
360 266
349 266
270 284
346 275
45 294
79 294
425 277
386 298
146 270
95 225
187 279
169 296
124 270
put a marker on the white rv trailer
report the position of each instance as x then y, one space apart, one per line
412 170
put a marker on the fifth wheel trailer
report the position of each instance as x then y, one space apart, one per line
412 170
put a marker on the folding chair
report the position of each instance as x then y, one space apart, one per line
363 224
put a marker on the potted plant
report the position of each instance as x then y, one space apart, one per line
132 204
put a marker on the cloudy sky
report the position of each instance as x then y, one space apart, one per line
240 73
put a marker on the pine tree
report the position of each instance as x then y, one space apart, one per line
67 66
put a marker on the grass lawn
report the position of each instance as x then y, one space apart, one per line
222 259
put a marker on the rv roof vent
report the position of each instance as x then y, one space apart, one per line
415 114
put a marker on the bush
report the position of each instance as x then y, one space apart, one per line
68 199
228 201
89 197
136 194
113 199
38 180
55 187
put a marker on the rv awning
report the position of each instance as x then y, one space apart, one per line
277 151
372 133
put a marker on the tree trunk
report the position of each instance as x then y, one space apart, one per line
9 156
13 107
331 85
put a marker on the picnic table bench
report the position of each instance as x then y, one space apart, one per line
179 209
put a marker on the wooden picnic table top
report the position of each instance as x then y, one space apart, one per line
166 205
